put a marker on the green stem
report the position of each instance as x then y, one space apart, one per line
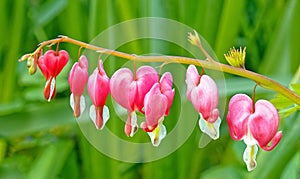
261 80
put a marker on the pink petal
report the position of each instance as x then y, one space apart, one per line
155 107
192 80
63 58
264 124
42 66
78 76
119 85
166 89
55 62
239 110
205 97
98 88
146 76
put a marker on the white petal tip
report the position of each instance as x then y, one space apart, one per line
93 115
82 104
249 157
134 125
105 115
211 129
157 135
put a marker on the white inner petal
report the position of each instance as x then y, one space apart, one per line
82 104
93 115
105 115
52 87
250 156
248 139
72 101
211 129
158 134
134 125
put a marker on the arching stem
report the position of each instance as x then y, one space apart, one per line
208 63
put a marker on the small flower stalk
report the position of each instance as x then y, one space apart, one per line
78 78
255 123
98 89
157 104
51 64
129 91
202 91
194 38
236 57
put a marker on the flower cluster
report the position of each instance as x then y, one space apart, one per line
142 90
146 92
255 123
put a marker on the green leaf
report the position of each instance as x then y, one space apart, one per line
51 160
48 11
284 113
281 102
222 172
296 88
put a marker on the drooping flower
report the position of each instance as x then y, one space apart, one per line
202 91
51 64
256 124
129 91
157 104
98 89
78 78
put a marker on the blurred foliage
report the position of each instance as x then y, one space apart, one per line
41 140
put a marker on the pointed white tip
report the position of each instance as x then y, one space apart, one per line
250 157
211 129
158 134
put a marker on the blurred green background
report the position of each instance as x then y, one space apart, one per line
42 140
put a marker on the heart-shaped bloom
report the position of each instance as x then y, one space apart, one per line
157 104
255 124
98 88
77 79
51 64
202 91
129 91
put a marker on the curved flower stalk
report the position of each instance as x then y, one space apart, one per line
98 88
157 105
129 91
202 91
256 124
77 79
51 64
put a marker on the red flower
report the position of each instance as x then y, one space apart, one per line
129 91
255 124
51 64
157 104
98 88
202 91
78 77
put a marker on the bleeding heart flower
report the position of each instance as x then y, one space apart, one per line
78 78
129 91
98 88
51 64
255 124
157 104
202 91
